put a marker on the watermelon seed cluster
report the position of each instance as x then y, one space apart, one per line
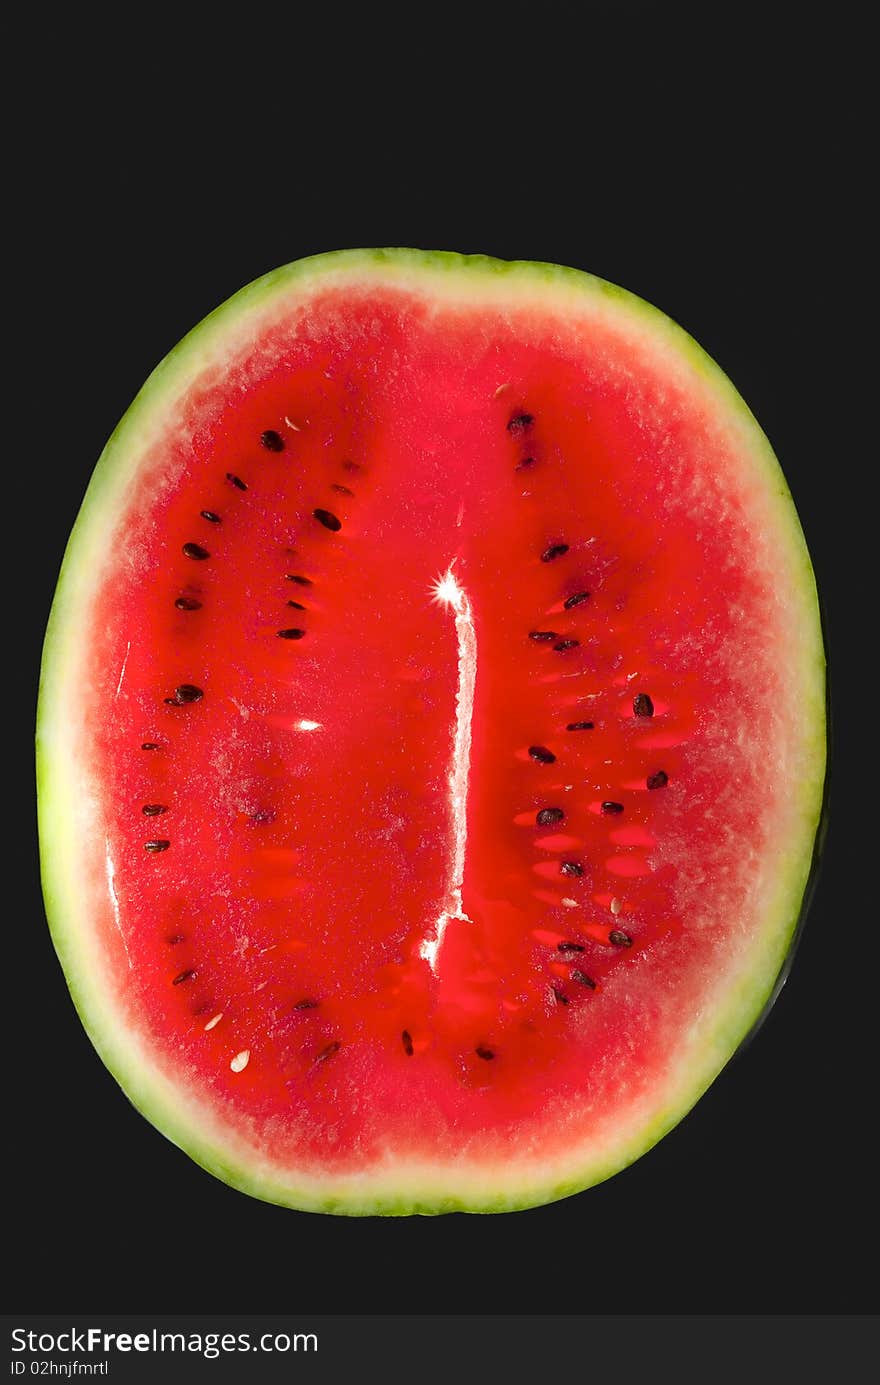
643 709
187 693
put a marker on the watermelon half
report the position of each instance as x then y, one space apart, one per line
431 736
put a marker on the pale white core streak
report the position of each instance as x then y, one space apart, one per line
122 670
447 592
114 898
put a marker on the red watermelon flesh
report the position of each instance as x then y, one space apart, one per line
431 735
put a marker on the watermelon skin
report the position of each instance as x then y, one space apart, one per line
420 1189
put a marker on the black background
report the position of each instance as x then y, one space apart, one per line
704 158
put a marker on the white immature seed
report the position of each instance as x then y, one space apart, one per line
216 1020
615 906
241 1060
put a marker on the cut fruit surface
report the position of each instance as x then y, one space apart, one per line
431 735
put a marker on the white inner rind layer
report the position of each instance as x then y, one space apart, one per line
69 816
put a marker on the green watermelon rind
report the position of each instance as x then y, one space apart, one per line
424 1189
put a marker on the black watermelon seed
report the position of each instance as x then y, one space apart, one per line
406 1040
547 816
188 692
188 603
563 645
195 550
272 441
341 490
351 466
300 581
525 464
569 947
579 726
329 1051
520 422
619 938
236 481
577 600
642 705
210 516
189 975
293 634
543 636
328 519
149 745
307 1004
153 810
609 807
156 846
571 868
297 605
555 550
658 780
542 754
486 1053
561 997
175 939
582 977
